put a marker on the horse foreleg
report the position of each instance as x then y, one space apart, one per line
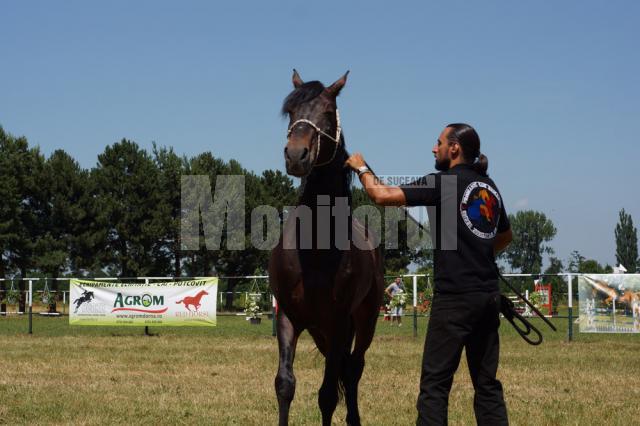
285 380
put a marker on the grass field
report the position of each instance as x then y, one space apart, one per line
224 376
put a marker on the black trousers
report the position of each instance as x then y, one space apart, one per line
459 321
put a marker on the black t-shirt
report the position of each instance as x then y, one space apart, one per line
463 256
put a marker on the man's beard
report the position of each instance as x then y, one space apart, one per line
443 165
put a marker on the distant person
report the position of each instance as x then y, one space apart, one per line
395 288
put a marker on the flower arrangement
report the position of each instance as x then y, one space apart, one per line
535 298
12 297
45 297
252 310
399 300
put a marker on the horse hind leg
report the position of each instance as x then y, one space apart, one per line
364 329
328 394
336 360
351 374
285 382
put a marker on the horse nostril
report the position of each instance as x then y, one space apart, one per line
286 152
304 153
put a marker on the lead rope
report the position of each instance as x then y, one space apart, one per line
508 310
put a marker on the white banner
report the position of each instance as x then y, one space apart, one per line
609 303
178 303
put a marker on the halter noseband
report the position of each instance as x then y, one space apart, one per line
320 132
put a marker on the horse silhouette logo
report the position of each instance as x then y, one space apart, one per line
193 300
85 297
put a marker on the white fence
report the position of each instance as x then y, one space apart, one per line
260 285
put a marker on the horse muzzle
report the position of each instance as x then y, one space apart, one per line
298 161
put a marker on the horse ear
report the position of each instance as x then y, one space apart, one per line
297 81
335 88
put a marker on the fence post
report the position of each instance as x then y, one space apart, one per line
146 327
415 306
570 306
30 300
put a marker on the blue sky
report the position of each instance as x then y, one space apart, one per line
552 88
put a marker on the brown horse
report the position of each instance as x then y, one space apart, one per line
326 276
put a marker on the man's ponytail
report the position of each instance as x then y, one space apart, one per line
481 165
469 140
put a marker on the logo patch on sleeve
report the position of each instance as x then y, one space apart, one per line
480 209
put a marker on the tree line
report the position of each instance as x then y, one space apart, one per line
533 231
121 218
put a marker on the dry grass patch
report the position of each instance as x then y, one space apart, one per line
225 377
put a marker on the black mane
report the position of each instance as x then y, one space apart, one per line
301 95
316 181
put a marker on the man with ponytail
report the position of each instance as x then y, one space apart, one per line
466 304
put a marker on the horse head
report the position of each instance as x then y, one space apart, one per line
314 134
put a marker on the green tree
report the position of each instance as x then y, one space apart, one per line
21 208
202 262
555 266
581 265
272 189
170 169
127 189
557 283
278 189
575 261
245 262
591 266
531 231
626 242
64 185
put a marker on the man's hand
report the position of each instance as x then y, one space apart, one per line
502 240
355 161
379 193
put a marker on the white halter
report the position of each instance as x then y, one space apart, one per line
319 131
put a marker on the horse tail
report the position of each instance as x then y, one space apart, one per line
177 303
346 358
341 387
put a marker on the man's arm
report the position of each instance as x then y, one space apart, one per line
502 240
382 195
386 290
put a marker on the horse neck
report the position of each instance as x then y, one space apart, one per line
328 181
325 180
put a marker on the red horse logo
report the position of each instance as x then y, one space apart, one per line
193 300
